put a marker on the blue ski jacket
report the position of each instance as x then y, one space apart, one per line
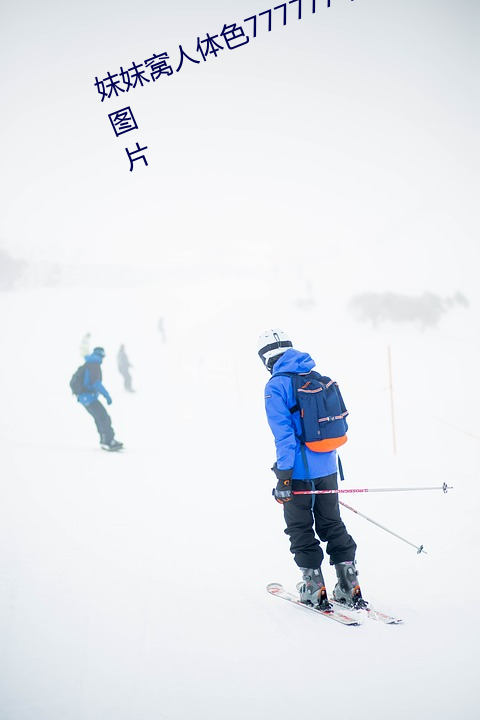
285 426
93 381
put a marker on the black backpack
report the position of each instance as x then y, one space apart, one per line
77 382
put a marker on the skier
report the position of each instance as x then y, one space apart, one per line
123 364
308 518
88 397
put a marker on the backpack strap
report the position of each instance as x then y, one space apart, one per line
304 458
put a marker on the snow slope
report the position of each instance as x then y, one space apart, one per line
133 585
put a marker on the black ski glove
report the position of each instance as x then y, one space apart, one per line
283 492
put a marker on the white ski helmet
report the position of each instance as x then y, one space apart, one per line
271 344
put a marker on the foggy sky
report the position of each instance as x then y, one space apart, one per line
349 133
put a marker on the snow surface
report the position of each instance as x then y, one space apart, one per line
133 584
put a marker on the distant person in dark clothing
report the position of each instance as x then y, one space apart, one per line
88 397
124 368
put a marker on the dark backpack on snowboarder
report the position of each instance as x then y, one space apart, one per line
77 382
322 411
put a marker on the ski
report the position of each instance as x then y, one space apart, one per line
336 613
371 613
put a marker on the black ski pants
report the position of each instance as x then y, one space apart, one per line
310 517
102 421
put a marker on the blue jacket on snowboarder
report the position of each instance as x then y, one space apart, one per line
93 381
286 427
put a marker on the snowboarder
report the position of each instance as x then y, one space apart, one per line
123 364
308 518
88 397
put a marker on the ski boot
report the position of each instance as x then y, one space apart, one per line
312 589
347 590
112 446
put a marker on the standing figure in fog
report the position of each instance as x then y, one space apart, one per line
87 385
85 345
302 465
161 329
124 366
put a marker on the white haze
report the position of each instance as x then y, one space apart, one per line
333 156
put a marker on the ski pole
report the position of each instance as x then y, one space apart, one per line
443 487
418 548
